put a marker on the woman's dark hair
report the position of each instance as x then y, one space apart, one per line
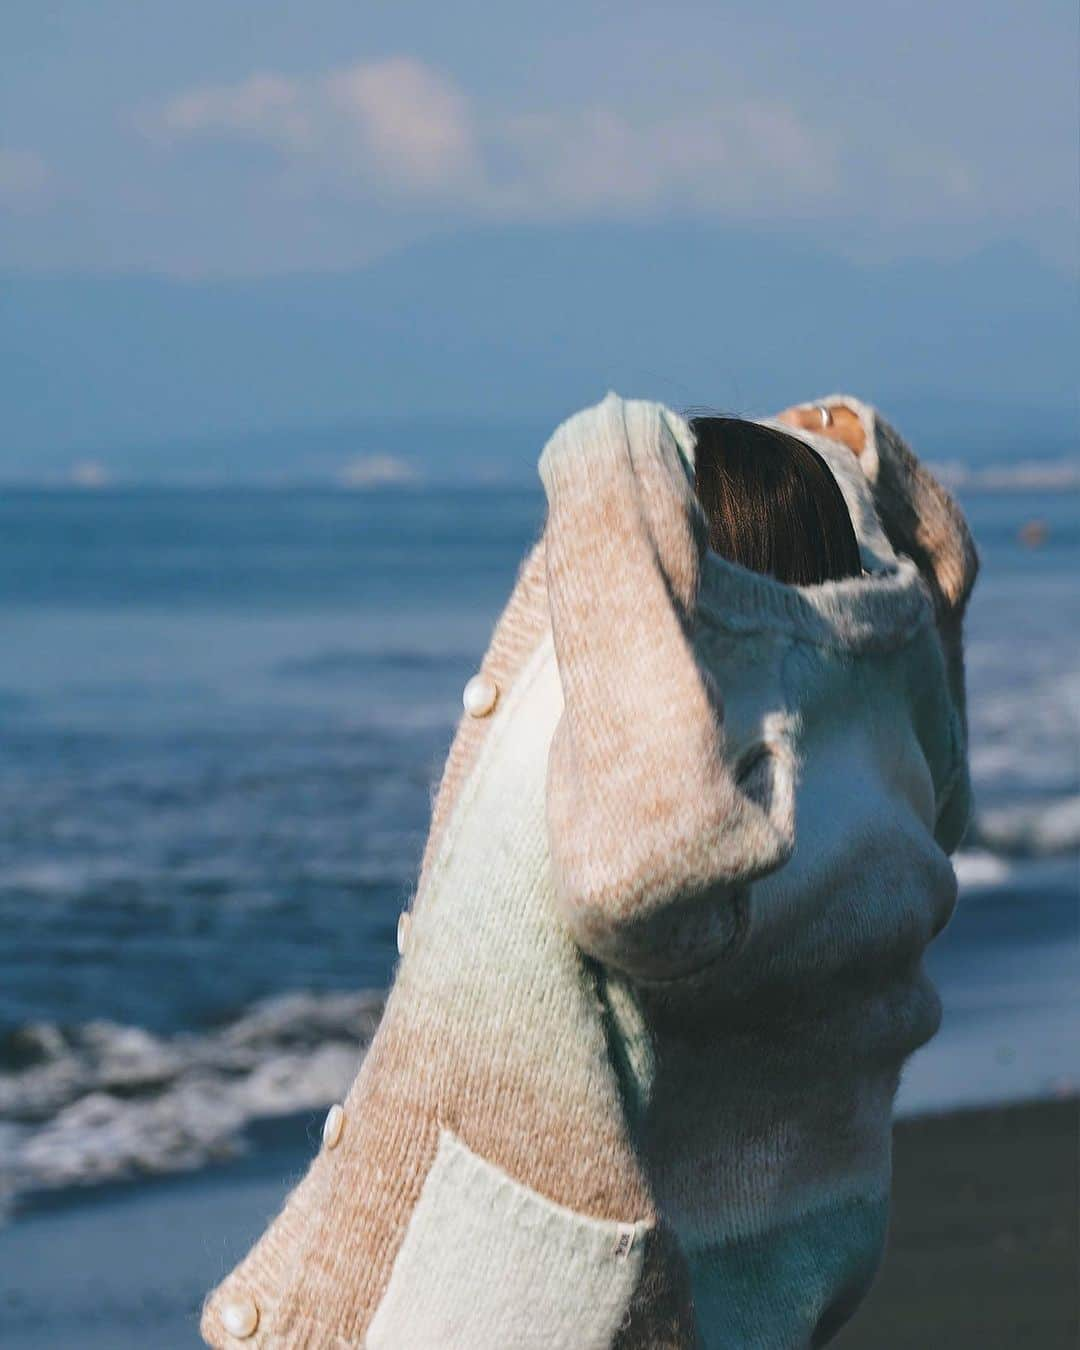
772 503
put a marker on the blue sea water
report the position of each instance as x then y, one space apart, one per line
222 716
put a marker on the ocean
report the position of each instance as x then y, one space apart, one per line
222 715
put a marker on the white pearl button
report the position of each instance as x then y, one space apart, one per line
240 1316
404 924
333 1126
480 695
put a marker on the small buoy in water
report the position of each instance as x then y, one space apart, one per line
1033 533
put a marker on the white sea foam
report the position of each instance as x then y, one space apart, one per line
1024 733
976 868
1035 475
107 1102
1031 829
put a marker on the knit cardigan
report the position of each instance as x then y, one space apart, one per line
633 1084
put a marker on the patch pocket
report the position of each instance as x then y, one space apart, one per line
488 1264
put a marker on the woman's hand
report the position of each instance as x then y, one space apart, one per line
843 424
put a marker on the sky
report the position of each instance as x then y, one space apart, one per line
225 138
234 218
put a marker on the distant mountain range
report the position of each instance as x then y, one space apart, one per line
454 358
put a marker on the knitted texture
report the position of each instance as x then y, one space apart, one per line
634 1079
652 837
473 1217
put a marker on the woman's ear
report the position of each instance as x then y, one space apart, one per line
843 424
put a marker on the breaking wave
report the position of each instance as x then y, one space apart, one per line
1030 830
105 1102
1036 475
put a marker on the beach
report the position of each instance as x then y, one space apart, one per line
298 303
223 714
983 1249
983 1252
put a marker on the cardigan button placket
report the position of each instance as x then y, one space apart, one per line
333 1126
480 695
240 1316
404 927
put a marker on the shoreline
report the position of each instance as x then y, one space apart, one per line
270 1150
983 1246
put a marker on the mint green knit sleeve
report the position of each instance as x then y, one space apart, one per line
652 840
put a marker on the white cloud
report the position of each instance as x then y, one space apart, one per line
396 128
393 124
89 473
372 471
413 123
24 178
263 107
718 157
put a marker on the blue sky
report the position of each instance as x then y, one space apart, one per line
221 138
227 220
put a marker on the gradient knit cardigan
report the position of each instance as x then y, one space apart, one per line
634 1080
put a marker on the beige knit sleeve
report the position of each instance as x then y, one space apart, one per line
923 521
653 840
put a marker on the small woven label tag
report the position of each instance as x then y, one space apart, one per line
624 1241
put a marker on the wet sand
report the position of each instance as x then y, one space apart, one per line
984 1251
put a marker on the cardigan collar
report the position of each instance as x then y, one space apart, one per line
880 610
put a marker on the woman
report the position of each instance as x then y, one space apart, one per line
634 1080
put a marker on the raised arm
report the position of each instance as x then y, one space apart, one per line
924 522
652 840
920 517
